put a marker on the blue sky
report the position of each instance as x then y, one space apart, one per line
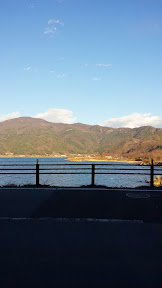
89 61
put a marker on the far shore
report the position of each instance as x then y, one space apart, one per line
79 159
88 159
75 158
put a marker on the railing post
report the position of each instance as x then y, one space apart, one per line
152 174
37 173
93 174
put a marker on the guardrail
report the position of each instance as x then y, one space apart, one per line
77 168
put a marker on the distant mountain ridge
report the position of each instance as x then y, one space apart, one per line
29 136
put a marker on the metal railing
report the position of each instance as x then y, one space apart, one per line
73 168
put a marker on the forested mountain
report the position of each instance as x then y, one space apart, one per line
30 136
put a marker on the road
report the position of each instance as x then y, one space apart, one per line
39 250
81 202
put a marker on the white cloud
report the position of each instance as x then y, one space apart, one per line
84 66
50 30
4 117
61 76
145 27
53 21
52 71
134 120
104 65
31 6
57 116
60 59
52 26
28 68
95 79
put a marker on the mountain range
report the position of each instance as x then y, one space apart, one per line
31 136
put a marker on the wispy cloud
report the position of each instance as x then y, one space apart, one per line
52 26
60 76
60 59
53 21
52 71
134 120
96 79
84 66
104 65
57 116
28 68
50 30
31 6
4 117
145 27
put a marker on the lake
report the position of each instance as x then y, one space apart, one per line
70 180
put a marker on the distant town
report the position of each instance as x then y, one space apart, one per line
82 157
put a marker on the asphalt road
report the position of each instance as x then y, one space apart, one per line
59 253
47 251
81 202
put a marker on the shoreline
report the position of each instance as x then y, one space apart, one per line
79 159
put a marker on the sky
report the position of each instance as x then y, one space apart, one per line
88 61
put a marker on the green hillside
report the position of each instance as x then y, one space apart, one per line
29 136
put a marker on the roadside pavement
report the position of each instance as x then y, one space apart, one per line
43 244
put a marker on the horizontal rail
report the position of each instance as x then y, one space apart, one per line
122 169
101 164
77 164
104 173
157 174
16 165
95 173
49 169
82 169
58 173
11 169
81 164
118 173
12 173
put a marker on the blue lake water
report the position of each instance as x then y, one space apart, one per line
70 180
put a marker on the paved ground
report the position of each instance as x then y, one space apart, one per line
85 203
22 202
103 203
48 252
44 253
